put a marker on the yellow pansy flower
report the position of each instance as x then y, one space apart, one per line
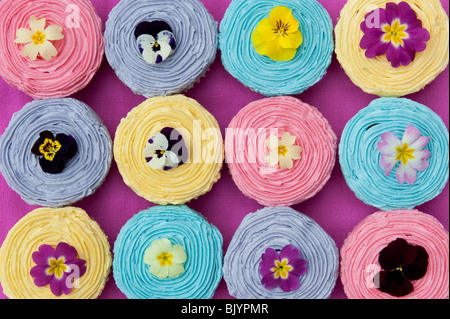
278 36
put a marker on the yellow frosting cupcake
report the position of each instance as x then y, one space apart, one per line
50 226
203 142
376 75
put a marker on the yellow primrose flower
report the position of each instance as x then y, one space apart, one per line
278 36
165 259
283 151
37 39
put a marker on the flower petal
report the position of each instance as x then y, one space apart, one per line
420 143
298 267
290 283
159 142
175 270
393 283
264 32
268 260
269 281
145 41
156 162
179 254
58 285
65 250
30 50
287 139
37 25
47 50
290 252
398 56
53 32
388 144
167 37
295 152
41 278
388 163
418 267
41 256
285 162
410 135
405 173
291 40
23 36
284 14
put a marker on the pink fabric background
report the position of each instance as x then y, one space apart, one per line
335 208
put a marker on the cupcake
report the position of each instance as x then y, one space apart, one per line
285 62
279 253
396 254
49 48
55 152
169 150
168 252
280 151
160 47
68 257
392 49
394 154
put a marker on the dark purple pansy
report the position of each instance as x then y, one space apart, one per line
58 267
54 152
401 262
283 269
395 31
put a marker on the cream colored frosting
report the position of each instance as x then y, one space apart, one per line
50 226
377 76
201 134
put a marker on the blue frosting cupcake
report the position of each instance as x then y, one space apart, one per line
186 26
55 152
168 252
394 154
261 73
269 235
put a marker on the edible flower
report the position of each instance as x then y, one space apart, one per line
395 31
155 51
54 152
37 39
282 269
58 267
401 262
165 150
409 152
278 36
165 259
283 151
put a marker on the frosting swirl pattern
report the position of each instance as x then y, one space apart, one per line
182 226
360 159
276 227
260 73
359 253
193 27
70 225
376 76
82 175
245 148
202 137
80 53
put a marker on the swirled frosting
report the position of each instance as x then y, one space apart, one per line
360 159
202 137
377 76
360 251
193 27
183 226
80 53
50 226
245 149
260 73
276 227
82 175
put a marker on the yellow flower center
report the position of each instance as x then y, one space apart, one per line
404 153
395 33
49 149
165 259
281 268
281 28
38 37
57 267
282 150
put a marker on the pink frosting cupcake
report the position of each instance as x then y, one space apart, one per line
377 264
280 151
49 48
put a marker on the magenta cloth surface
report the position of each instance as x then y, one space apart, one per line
335 208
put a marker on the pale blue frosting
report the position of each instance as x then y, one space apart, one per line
194 29
277 227
82 175
359 156
260 73
182 226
